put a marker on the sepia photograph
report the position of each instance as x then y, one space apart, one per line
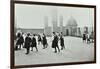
50 34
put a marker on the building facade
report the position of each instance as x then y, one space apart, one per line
69 30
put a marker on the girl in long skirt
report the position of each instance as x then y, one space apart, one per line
39 40
84 37
18 41
33 43
62 42
27 43
21 41
55 42
44 41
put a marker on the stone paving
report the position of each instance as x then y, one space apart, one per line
76 51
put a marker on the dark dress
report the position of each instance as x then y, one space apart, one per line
61 41
34 44
44 40
27 42
55 42
39 39
18 42
21 40
84 36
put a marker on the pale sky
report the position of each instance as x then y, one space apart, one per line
32 16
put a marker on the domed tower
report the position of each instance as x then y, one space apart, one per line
71 27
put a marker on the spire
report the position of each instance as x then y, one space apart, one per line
61 23
45 21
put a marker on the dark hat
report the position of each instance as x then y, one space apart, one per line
53 32
28 34
33 34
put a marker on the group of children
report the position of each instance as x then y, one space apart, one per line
87 38
30 41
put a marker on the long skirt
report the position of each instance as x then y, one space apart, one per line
54 44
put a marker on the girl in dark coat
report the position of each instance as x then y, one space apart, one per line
33 43
44 41
62 42
27 43
21 41
55 42
84 37
18 42
39 40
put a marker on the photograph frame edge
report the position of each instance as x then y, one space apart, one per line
12 3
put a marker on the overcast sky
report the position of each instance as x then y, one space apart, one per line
32 16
